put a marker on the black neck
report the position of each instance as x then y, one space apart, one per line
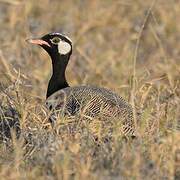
58 78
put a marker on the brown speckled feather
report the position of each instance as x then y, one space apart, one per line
93 102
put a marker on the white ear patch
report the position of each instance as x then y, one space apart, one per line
64 47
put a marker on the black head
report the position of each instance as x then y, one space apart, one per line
54 43
59 47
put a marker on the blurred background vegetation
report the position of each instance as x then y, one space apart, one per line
112 41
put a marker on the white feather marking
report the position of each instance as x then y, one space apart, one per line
64 47
68 38
62 35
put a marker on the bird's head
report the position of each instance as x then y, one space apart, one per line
54 44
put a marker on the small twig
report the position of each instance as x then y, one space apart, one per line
135 60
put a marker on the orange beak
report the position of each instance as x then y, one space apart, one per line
38 42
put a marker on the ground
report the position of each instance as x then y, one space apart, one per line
131 47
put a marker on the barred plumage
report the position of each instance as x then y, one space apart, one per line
93 102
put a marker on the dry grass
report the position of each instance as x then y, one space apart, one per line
131 47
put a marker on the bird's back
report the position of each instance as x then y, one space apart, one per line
93 102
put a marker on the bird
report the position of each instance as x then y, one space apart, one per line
87 100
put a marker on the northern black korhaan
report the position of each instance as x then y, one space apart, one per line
88 101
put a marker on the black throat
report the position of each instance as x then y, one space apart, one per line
58 78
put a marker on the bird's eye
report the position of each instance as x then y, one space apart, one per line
55 40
